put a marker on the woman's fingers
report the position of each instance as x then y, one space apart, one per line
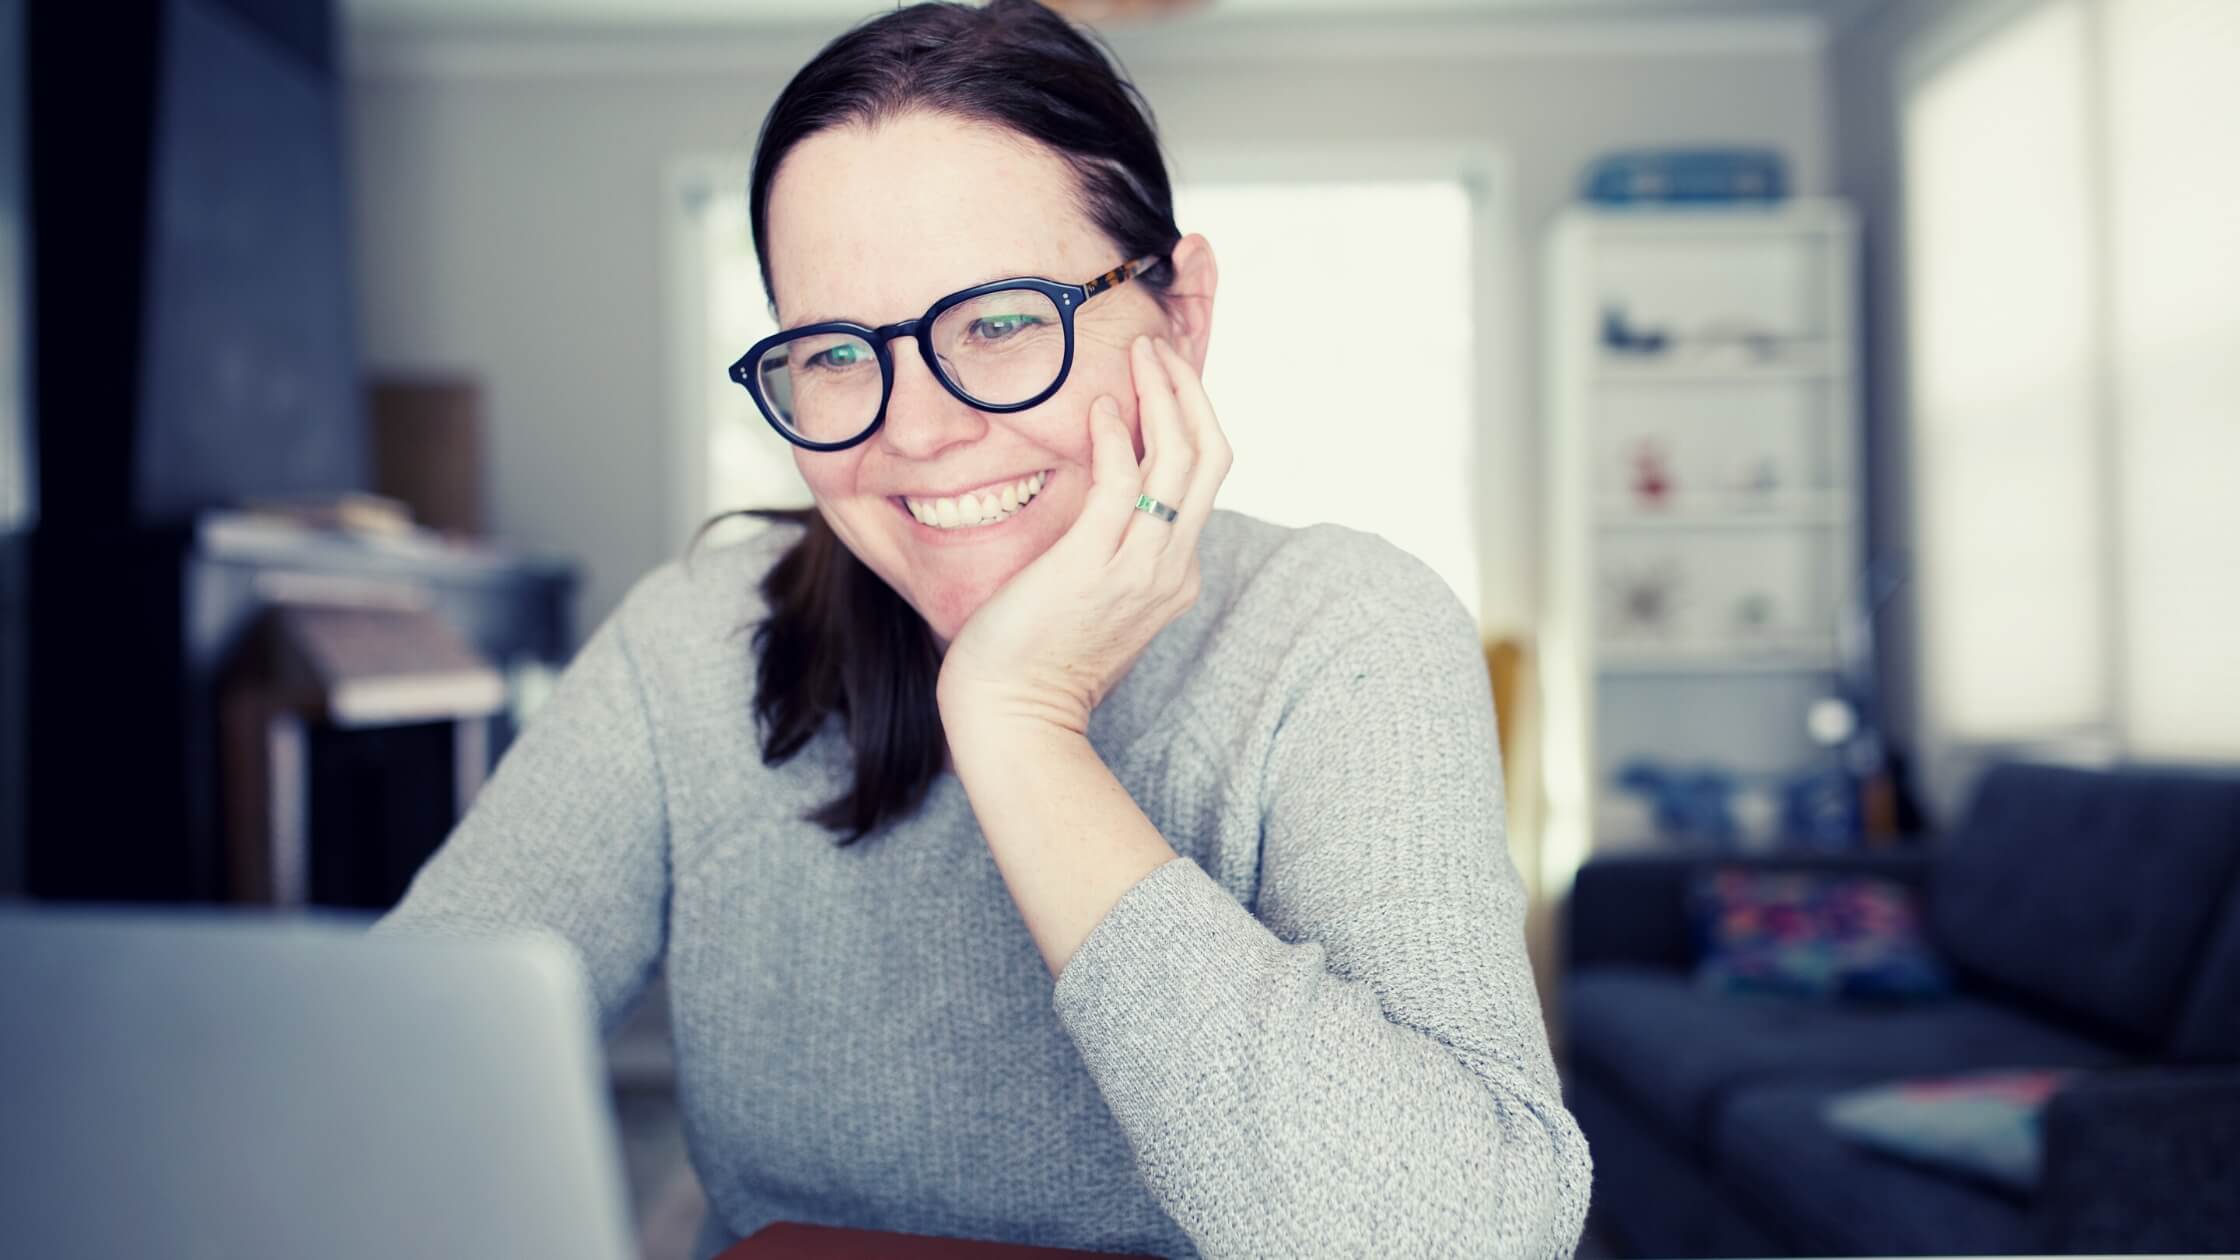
1114 481
1168 449
1209 445
1185 457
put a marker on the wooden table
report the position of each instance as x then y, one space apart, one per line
787 1240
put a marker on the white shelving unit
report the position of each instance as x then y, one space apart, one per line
1702 493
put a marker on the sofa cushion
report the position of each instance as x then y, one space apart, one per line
1982 1125
1811 935
1830 1198
1679 1051
2091 892
2209 1028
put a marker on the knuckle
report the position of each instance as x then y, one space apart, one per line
1139 571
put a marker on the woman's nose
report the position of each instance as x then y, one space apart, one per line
923 419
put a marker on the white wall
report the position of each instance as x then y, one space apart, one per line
508 201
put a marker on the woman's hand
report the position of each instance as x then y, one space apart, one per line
1055 640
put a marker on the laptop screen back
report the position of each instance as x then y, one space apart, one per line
194 1084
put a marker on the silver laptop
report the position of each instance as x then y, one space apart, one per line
187 1084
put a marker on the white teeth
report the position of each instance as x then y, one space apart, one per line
985 508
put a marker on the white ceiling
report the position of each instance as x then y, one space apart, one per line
643 14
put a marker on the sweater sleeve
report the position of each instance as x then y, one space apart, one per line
568 836
1362 1068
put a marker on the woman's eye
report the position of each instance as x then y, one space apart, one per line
998 327
837 357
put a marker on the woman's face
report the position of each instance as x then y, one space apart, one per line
872 225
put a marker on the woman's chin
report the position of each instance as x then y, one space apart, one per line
948 605
947 585
946 575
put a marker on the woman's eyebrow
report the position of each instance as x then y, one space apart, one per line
990 278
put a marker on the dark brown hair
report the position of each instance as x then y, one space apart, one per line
838 640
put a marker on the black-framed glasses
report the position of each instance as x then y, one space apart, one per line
1001 346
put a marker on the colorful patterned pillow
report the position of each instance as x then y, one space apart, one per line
1811 934
1982 1125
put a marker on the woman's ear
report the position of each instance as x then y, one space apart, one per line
1189 300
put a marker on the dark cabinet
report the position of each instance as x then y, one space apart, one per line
130 632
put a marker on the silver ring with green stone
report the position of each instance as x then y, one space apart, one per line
1145 503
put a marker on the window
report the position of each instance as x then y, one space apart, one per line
2004 419
2076 379
724 455
2173 93
1342 358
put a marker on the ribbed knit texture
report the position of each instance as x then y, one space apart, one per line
1313 1033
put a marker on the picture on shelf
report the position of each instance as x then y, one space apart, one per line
1644 601
1760 481
1753 614
1652 477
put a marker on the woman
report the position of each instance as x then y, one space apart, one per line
1061 860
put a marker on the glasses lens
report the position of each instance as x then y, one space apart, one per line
824 386
1003 347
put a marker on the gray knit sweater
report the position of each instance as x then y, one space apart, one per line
1313 1033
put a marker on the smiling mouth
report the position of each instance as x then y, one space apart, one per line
975 511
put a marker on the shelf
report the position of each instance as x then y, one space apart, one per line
1770 655
1804 509
1809 217
1639 374
1734 592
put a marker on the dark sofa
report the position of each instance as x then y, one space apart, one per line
2092 919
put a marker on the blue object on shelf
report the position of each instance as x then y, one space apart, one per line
1820 808
1688 805
1619 337
1687 175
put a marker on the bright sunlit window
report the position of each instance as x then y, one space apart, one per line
726 455
2173 91
1341 361
2004 373
1342 358
2076 378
